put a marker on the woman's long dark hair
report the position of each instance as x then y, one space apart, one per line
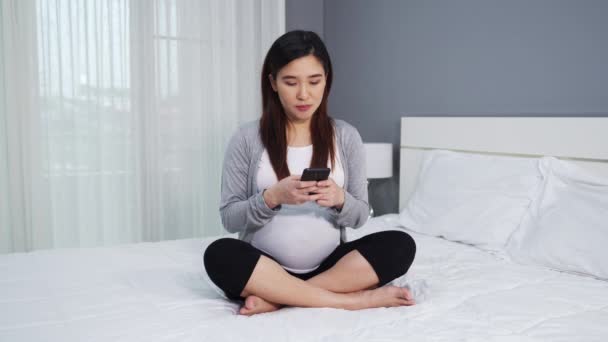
273 125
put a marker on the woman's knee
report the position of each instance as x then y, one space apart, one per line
229 264
394 251
402 244
226 254
217 253
396 242
406 246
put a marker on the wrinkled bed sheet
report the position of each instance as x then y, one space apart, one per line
157 292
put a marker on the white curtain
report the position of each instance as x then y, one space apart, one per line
115 114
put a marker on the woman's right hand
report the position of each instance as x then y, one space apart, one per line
290 190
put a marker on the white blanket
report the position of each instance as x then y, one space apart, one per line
156 292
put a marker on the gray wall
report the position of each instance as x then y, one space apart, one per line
304 15
466 57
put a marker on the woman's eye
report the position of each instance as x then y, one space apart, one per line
290 84
315 83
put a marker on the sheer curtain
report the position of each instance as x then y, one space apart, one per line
115 114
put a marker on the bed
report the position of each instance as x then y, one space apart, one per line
159 291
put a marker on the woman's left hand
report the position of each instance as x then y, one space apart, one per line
331 195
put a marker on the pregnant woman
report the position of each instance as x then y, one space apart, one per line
291 248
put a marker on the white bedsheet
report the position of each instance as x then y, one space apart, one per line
156 292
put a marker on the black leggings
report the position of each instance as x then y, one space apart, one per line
230 262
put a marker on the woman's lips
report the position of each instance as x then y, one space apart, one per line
303 108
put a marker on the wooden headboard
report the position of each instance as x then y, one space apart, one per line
582 140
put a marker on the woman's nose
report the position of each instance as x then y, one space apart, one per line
302 92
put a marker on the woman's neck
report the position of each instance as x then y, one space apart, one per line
298 134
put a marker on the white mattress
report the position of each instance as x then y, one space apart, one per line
156 292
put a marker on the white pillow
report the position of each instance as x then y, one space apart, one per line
471 198
566 227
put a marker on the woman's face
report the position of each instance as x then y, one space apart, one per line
300 85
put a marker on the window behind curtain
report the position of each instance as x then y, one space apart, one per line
130 107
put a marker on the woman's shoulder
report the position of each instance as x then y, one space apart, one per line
247 132
245 138
344 130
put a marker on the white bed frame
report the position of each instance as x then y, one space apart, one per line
582 140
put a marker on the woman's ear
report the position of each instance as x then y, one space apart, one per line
273 83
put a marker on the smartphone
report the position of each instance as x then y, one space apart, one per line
315 174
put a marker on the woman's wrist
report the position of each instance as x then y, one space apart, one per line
270 199
340 205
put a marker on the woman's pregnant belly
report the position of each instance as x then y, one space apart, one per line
299 237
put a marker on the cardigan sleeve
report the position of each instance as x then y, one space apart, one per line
355 210
239 211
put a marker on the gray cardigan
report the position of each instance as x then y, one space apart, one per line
243 208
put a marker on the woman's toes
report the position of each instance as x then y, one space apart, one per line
406 302
406 297
254 305
406 293
251 302
249 306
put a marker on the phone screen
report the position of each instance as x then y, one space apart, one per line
315 174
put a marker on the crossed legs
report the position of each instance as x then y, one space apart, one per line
347 284
341 285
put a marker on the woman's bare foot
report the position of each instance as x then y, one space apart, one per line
386 296
256 305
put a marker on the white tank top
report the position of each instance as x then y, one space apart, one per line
301 236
